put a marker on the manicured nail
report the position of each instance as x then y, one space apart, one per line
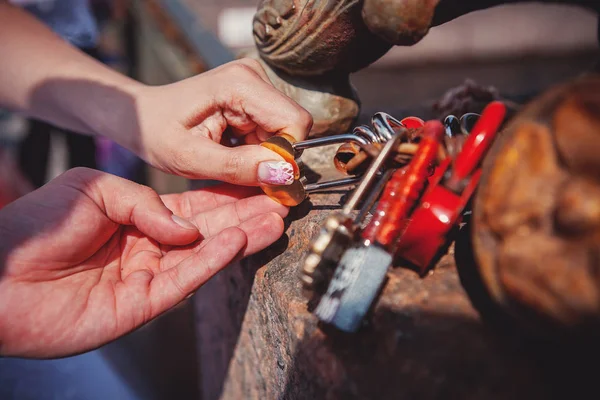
183 222
276 173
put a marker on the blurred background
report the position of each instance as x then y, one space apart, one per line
519 49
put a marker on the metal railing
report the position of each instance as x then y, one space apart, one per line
206 46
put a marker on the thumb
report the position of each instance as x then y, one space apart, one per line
246 165
128 203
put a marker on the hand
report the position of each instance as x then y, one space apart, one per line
184 125
182 128
90 256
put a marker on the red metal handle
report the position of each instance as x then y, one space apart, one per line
403 190
478 142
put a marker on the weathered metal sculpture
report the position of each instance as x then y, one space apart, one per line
533 247
309 47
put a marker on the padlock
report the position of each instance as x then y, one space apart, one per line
413 220
427 235
340 228
384 128
290 150
363 267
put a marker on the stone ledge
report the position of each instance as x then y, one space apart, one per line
257 339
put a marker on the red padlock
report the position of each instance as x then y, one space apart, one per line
403 190
441 207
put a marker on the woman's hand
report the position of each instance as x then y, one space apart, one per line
181 128
90 256
184 127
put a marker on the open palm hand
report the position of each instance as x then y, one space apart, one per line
89 257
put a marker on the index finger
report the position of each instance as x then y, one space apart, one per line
193 202
248 100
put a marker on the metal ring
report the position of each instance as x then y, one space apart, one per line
382 122
367 133
468 121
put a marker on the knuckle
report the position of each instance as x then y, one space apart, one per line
178 161
181 166
307 119
147 192
304 118
252 64
239 70
75 172
232 169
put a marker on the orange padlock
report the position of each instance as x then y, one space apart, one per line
288 148
288 195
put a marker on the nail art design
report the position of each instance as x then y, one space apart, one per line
276 173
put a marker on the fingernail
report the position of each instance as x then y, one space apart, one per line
276 173
183 222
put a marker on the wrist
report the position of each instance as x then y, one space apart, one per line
113 113
89 98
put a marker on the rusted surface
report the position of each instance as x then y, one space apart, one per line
537 213
400 22
312 37
308 38
310 46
